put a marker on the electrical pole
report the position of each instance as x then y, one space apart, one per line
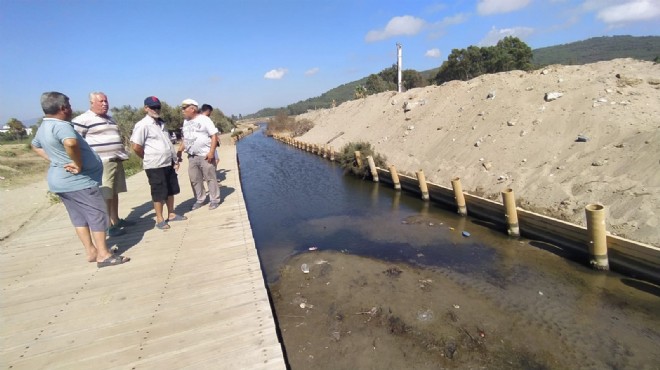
399 67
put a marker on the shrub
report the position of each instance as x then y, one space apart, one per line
282 123
132 165
347 161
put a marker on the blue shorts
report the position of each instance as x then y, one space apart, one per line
86 208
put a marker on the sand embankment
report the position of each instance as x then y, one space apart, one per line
505 130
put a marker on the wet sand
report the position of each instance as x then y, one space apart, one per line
534 310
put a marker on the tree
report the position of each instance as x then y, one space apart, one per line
412 79
16 129
360 92
375 84
391 76
463 64
519 54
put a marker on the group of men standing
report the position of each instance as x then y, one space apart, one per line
86 170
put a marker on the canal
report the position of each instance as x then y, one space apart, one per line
395 282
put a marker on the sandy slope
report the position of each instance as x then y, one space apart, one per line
516 138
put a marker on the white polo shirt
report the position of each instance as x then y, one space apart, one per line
152 136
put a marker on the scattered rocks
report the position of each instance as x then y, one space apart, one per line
523 133
550 96
393 271
581 139
491 95
487 165
511 123
545 72
598 163
653 81
624 81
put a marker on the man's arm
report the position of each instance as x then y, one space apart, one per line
40 152
138 149
214 143
73 150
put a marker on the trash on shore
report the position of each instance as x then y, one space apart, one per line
304 268
466 234
312 248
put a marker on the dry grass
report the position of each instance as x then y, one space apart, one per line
19 165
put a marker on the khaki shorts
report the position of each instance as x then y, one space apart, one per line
114 179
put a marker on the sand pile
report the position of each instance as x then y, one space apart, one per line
561 137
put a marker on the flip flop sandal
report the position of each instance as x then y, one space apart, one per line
112 261
178 218
163 225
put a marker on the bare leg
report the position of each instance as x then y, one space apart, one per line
96 250
158 207
113 209
170 207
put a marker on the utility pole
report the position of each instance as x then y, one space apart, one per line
399 67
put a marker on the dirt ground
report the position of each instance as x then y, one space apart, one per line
352 312
23 188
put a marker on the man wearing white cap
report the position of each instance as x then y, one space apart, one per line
199 142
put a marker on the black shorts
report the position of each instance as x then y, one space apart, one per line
163 182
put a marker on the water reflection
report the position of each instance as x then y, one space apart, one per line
297 200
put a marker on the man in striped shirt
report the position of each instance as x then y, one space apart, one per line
103 136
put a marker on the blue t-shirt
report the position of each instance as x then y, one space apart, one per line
50 137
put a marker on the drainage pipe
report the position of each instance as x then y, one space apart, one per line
372 168
597 236
358 158
395 178
458 195
422 185
510 212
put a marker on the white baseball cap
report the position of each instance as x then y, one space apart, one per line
190 102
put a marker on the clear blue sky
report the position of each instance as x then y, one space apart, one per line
244 55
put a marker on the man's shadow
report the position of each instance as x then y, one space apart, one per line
221 174
144 218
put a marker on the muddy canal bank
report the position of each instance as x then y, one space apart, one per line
352 312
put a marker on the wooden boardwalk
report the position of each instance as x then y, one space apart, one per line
191 297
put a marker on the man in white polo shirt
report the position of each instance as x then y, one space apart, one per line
103 136
199 142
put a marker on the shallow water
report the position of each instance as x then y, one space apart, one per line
518 288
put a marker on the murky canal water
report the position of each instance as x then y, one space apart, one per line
394 284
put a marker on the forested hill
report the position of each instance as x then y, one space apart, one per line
598 49
580 52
